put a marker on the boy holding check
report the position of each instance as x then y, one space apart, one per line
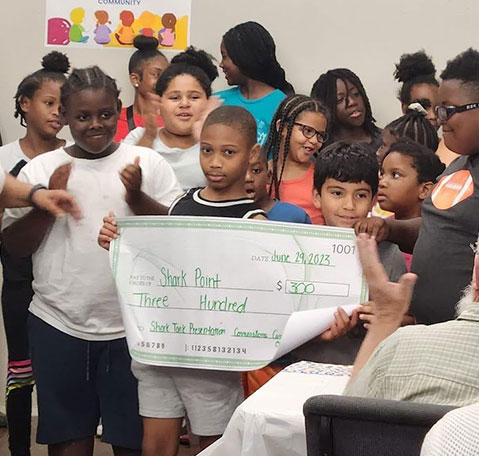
345 186
208 397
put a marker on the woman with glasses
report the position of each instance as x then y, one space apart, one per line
343 94
298 130
443 259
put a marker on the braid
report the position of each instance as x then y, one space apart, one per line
87 78
289 109
414 125
252 49
324 89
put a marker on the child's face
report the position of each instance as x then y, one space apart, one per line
224 157
182 104
387 140
343 203
350 108
425 92
92 115
257 179
460 131
301 148
150 72
399 188
232 73
42 111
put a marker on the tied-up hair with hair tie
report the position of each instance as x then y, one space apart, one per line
287 113
252 49
325 89
414 125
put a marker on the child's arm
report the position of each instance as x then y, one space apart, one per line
340 326
150 121
140 203
24 236
108 231
404 233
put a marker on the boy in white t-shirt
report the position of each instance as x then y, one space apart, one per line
78 349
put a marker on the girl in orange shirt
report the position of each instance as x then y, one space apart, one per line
298 130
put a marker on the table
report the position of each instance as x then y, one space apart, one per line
271 421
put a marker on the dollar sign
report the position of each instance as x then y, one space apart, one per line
280 285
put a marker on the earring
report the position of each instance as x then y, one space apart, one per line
137 85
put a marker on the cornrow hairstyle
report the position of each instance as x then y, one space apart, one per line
346 162
252 49
54 67
236 117
324 89
147 49
196 63
286 114
464 67
415 126
412 69
88 78
424 161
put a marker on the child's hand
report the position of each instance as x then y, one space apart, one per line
212 103
376 227
108 231
59 178
366 313
150 116
340 326
131 178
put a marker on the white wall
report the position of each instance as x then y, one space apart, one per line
312 36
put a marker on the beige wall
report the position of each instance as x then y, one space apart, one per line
311 36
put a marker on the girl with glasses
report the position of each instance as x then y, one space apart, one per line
298 130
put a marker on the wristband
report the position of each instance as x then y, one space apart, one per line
32 192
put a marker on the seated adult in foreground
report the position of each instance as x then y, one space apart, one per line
430 364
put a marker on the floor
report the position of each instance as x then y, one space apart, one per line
101 449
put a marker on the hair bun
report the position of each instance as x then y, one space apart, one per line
199 58
416 108
56 62
145 43
413 65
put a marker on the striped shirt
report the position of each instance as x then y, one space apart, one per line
431 364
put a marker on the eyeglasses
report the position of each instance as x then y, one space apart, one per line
445 112
309 132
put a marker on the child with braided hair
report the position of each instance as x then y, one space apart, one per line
344 95
413 125
248 60
298 130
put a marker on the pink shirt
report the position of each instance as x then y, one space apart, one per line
300 192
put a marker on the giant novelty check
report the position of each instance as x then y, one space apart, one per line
229 294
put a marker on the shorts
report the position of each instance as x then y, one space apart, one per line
208 397
79 381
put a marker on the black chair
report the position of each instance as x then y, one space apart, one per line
356 426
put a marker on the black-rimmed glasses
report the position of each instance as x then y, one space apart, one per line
444 113
309 132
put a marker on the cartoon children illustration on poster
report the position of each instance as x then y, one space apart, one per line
125 32
96 24
167 35
76 32
102 31
147 21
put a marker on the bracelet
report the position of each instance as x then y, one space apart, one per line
32 192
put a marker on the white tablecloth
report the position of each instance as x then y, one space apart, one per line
271 421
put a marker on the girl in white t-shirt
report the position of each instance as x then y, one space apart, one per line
78 348
37 104
183 90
